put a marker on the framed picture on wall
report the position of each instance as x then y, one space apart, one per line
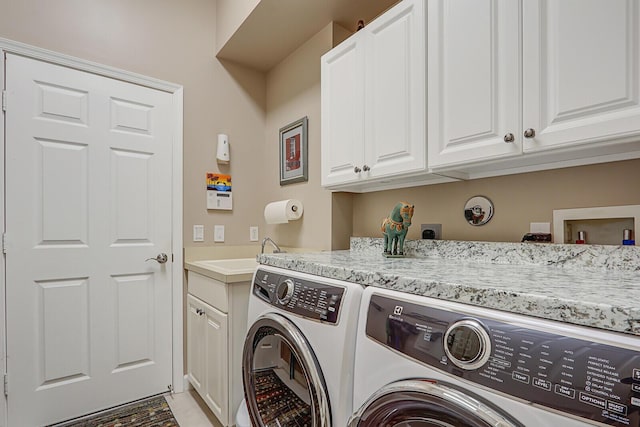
293 152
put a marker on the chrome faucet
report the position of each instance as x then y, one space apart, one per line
276 248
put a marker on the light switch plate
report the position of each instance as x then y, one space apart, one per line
218 233
198 233
253 234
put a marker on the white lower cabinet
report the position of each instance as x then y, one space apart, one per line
216 327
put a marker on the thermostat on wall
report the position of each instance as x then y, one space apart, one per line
219 200
219 191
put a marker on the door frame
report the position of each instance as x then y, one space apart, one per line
177 92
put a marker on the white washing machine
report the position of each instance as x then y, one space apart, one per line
298 356
426 362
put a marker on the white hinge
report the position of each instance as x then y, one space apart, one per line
4 100
6 384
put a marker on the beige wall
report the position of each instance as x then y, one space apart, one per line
518 200
293 91
231 14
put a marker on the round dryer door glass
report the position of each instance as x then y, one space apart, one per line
425 403
282 381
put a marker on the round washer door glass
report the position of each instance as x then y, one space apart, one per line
424 403
283 383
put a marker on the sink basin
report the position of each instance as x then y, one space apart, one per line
229 266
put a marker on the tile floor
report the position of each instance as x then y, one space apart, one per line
190 411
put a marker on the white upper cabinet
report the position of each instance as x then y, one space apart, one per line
374 101
532 83
395 119
581 72
342 112
473 80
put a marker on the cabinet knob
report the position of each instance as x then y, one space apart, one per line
366 168
529 133
357 170
509 137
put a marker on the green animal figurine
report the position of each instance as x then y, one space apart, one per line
395 229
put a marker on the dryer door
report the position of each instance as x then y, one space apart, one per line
283 383
427 403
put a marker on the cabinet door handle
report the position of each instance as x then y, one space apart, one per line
357 169
530 133
366 168
509 137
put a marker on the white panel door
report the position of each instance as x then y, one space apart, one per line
581 71
474 80
395 97
88 199
343 112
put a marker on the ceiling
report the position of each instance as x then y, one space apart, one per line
275 28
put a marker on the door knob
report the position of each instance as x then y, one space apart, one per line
509 137
529 133
161 258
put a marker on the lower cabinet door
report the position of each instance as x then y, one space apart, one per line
195 343
208 356
217 364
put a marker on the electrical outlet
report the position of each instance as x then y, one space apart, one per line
539 227
253 234
198 233
218 233
431 231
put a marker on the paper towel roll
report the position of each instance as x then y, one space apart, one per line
283 211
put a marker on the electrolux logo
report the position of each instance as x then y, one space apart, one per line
398 310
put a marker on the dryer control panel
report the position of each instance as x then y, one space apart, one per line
592 380
306 298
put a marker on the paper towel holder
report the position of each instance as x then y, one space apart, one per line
222 152
283 211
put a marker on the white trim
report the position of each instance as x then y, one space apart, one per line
178 270
3 336
34 52
177 179
601 212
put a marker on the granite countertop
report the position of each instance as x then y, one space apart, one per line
588 285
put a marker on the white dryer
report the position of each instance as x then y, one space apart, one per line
299 350
423 362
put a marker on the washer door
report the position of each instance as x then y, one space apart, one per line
283 383
427 403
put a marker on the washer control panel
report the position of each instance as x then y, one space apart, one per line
306 298
587 379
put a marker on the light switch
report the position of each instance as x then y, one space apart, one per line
198 233
253 234
218 233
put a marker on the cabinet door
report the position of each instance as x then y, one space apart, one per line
581 71
217 350
342 94
395 96
195 343
474 82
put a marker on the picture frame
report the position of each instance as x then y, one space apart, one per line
294 152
